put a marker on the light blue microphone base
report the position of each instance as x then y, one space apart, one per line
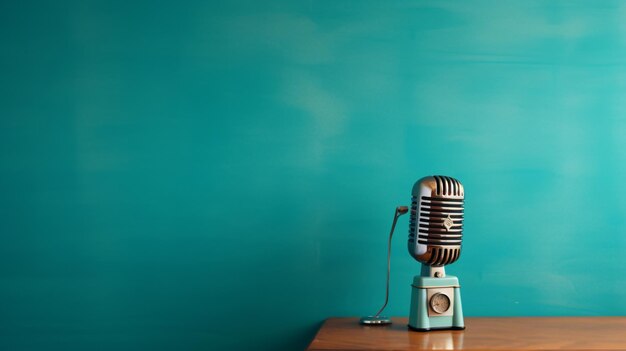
422 317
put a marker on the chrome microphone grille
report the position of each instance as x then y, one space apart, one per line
436 224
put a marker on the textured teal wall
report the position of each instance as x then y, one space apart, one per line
195 176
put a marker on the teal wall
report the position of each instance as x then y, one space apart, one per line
197 175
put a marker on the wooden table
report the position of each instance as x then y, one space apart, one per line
515 333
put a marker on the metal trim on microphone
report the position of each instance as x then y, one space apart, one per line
435 286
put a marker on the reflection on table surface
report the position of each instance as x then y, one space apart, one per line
436 339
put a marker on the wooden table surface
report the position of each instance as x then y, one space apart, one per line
482 333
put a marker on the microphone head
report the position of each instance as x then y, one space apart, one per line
436 224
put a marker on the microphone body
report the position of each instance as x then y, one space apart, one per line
436 224
435 236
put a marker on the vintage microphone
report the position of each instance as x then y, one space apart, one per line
435 235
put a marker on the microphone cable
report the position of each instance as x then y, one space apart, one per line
377 319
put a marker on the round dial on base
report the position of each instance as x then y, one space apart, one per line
440 303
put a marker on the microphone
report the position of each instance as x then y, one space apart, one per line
435 235
436 223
